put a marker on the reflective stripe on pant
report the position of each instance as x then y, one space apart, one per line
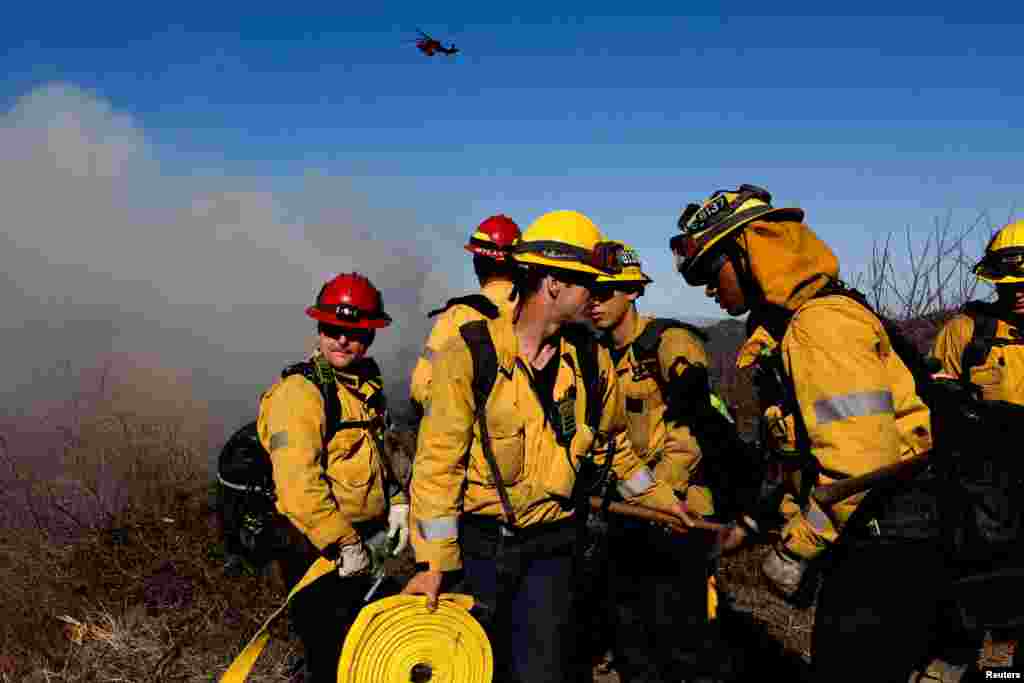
523 585
659 584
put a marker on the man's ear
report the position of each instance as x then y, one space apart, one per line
552 285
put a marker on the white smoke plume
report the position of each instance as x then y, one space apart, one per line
106 254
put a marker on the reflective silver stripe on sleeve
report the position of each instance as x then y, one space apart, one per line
817 518
638 484
278 440
846 406
439 528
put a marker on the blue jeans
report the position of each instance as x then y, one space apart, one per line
524 589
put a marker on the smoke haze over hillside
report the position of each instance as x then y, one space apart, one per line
107 257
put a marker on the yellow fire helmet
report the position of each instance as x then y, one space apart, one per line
629 264
567 240
722 214
1003 262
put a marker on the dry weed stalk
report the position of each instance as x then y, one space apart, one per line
933 278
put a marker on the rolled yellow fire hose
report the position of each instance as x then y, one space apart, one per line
394 640
398 640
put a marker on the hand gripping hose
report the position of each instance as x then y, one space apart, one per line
394 640
398 640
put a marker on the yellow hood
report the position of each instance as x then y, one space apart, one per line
788 261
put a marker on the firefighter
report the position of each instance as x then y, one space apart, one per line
984 344
490 244
982 347
332 481
655 361
838 402
525 401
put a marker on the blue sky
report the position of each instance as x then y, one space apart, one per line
870 123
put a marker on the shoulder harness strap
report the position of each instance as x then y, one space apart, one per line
646 344
589 477
485 374
321 374
478 302
594 384
982 339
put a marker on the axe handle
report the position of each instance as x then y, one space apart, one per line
830 494
652 515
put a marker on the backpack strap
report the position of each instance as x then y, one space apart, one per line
478 302
589 476
485 374
321 374
982 340
905 349
680 395
645 346
594 384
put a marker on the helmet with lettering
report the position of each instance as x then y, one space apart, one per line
722 214
494 238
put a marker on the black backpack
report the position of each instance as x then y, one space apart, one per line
252 528
730 466
974 477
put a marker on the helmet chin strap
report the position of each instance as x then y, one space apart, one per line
752 293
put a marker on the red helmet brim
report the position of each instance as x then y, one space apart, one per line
364 323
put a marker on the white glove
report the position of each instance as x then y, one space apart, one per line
353 560
398 525
784 570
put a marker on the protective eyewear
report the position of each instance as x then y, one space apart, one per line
601 292
575 277
356 334
605 256
684 248
1007 262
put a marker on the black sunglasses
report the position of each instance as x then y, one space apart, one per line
356 334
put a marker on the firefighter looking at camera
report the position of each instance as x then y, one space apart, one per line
331 476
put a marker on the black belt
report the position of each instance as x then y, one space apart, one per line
495 526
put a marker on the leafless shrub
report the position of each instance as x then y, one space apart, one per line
922 286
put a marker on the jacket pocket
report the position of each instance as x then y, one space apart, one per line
990 379
508 452
351 465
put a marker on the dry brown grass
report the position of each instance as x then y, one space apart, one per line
110 551
111 565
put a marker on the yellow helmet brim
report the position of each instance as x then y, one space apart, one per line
562 264
627 276
691 270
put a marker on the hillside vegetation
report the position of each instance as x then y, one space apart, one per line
111 562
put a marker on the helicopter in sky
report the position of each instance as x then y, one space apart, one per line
430 46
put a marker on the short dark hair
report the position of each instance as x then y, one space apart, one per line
528 280
487 268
